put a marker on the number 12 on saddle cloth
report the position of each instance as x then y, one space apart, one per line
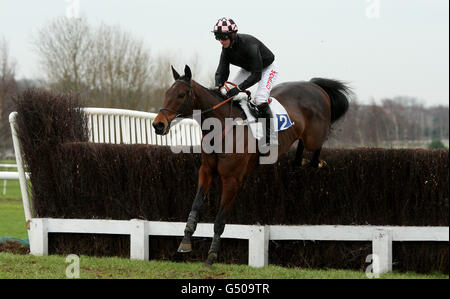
280 121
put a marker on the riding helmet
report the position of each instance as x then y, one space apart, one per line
225 25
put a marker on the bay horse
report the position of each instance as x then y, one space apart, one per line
312 106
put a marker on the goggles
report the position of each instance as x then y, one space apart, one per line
222 36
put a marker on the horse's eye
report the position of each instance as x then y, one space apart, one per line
181 95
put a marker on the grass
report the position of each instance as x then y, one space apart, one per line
12 223
54 267
12 189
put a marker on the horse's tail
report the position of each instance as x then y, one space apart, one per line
338 92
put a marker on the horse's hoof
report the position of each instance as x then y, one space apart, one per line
322 164
305 162
185 247
212 257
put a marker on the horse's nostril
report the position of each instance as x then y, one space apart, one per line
159 127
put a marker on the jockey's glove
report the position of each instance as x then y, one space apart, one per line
232 92
220 89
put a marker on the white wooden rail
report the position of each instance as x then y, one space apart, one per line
133 127
8 165
258 236
8 175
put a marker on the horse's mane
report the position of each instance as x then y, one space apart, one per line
212 91
216 93
220 97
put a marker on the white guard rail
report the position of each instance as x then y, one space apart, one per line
135 127
258 236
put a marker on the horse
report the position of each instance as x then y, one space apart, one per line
312 106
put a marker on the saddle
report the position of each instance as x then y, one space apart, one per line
280 120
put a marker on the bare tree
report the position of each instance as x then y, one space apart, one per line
119 68
8 87
62 47
7 73
107 65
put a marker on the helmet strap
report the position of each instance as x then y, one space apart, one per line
233 38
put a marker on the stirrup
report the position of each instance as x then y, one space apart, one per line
253 109
269 136
273 141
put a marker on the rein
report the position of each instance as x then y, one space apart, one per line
191 97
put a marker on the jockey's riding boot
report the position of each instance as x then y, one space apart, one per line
265 112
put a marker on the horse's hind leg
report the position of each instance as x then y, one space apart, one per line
299 153
315 162
299 160
205 178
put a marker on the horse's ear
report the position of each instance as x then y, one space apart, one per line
176 76
187 73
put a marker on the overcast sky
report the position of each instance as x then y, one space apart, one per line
384 48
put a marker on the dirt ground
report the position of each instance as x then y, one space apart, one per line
14 247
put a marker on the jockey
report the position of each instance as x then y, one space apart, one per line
256 62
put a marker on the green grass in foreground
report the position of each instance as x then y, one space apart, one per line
12 219
54 266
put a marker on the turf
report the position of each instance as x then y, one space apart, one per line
55 266
12 219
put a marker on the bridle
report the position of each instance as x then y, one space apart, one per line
191 98
183 106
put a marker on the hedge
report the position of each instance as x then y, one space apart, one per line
72 178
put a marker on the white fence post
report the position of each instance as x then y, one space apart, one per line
20 167
382 250
139 248
39 236
258 246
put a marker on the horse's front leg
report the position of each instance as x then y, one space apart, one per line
204 182
230 188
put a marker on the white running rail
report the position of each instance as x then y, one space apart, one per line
135 127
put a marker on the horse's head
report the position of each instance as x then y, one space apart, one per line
178 101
